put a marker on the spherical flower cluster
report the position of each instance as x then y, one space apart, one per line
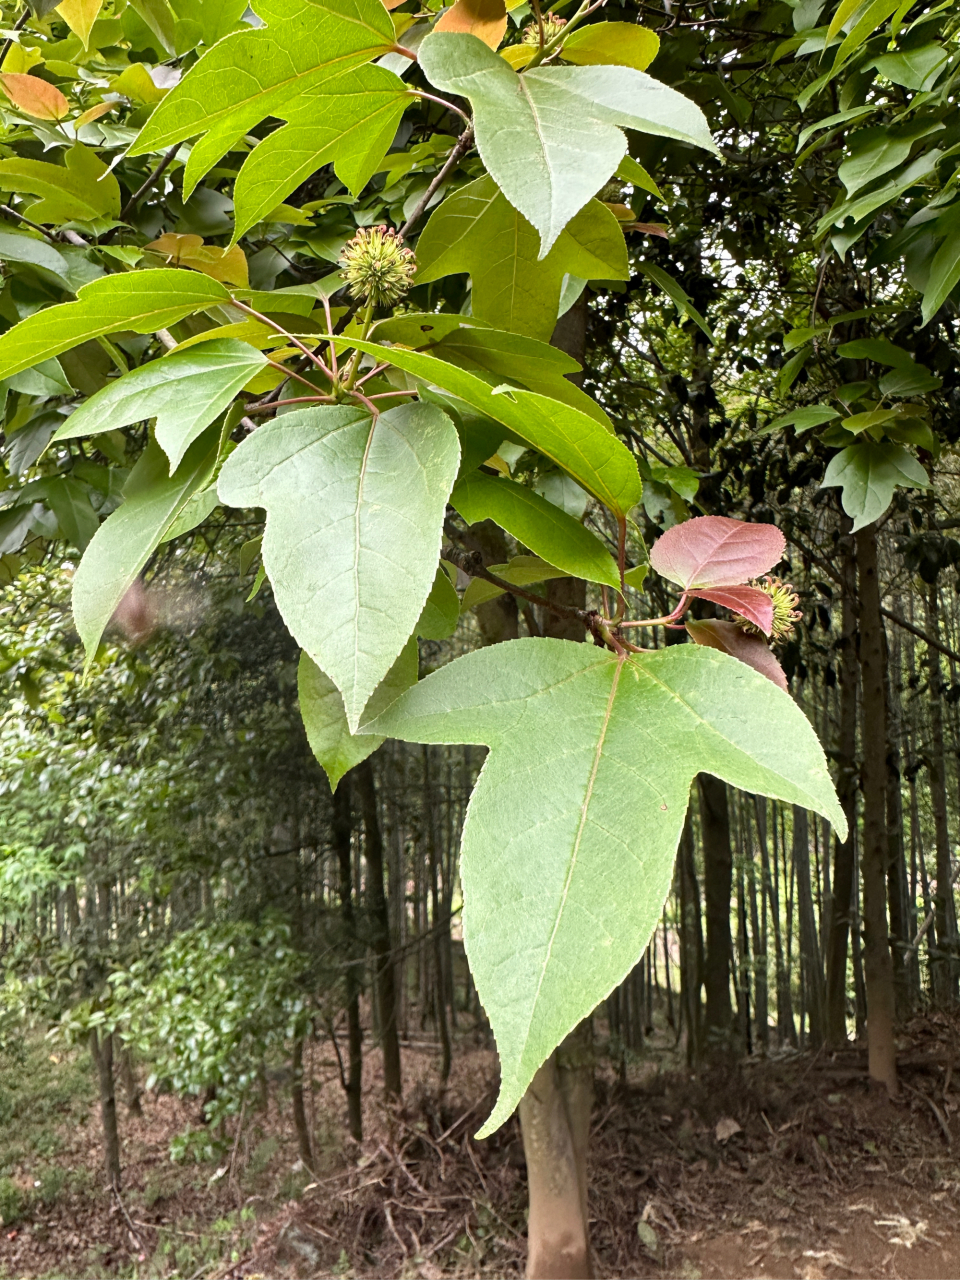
377 267
552 26
785 611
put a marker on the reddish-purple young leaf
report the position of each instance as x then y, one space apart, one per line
728 638
714 551
750 602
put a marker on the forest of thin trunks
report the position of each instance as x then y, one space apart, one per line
760 948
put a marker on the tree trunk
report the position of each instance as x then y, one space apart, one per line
299 1110
945 989
877 960
555 1122
691 946
128 1076
846 757
810 965
383 951
440 984
342 838
101 1049
717 886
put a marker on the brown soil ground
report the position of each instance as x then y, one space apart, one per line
785 1167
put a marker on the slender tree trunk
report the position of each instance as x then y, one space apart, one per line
299 1109
877 960
691 945
440 984
128 1076
811 968
342 838
101 1049
900 936
717 886
380 916
945 988
846 757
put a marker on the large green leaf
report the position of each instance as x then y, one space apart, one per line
351 121
82 189
252 74
879 149
140 300
321 706
123 544
547 530
867 474
578 444
569 841
354 518
551 138
183 392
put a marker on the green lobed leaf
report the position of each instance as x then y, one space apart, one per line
321 706
351 121
578 444
548 531
354 518
551 138
183 392
252 74
140 300
586 787
477 230
125 541
867 474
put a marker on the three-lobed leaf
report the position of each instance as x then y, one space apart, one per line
355 512
551 137
867 474
569 841
252 74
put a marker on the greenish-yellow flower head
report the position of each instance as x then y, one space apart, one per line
552 26
377 266
785 611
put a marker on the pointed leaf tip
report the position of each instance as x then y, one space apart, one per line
715 551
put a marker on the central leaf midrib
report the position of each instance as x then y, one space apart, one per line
584 810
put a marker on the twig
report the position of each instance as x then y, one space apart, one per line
20 23
151 178
921 635
471 562
129 1221
463 144
930 915
945 1128
34 226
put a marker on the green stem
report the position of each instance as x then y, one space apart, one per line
546 50
354 368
